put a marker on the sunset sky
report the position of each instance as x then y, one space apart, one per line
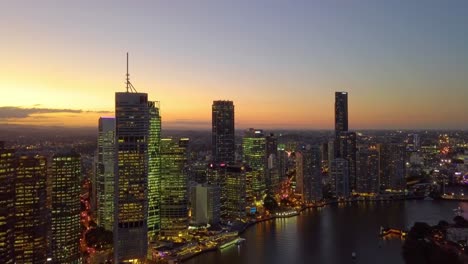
404 63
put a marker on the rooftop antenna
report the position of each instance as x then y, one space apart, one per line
129 84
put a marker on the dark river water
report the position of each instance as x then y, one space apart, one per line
332 233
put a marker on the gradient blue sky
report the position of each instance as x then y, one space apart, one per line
404 63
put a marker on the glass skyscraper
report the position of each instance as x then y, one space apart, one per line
174 189
31 212
235 189
392 166
66 229
367 170
339 172
223 139
255 155
154 171
105 173
341 112
131 185
7 204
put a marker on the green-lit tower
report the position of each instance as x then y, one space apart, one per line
254 151
154 171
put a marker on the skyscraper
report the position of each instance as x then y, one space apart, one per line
235 204
66 229
31 213
341 112
154 170
347 150
174 180
345 142
392 166
254 153
272 170
367 170
205 201
300 186
312 173
105 173
339 172
7 204
131 185
223 140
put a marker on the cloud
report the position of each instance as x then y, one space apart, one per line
16 112
101 112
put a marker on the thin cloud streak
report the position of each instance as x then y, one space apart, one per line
16 112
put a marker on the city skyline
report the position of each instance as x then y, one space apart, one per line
398 62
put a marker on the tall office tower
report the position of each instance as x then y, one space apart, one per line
339 172
414 143
347 150
299 186
222 135
283 160
215 174
154 170
312 173
174 196
7 204
367 170
273 177
235 204
31 213
392 166
206 205
271 145
105 173
331 151
254 153
198 172
341 112
131 183
272 172
66 189
324 154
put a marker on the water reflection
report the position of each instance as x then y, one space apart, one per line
332 233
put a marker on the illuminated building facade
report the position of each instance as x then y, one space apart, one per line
31 213
131 185
312 174
367 170
66 187
299 186
341 112
105 173
347 150
223 140
7 204
154 170
272 172
254 154
339 172
392 166
235 189
174 195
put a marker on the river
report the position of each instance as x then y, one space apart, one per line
330 234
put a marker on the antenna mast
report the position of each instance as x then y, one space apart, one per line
129 84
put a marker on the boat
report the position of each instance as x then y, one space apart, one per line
240 240
230 243
458 211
